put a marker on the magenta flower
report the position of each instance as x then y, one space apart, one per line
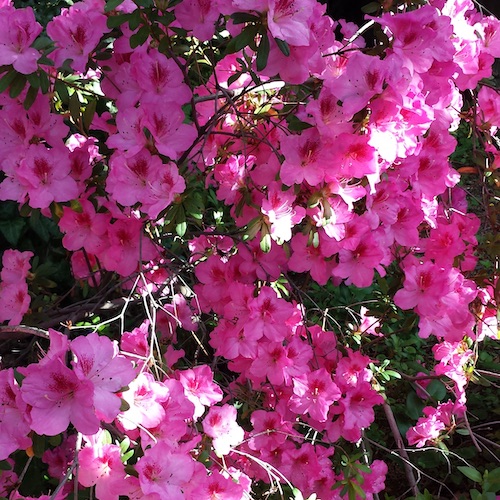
46 175
165 472
220 424
76 32
14 427
97 360
200 388
58 397
314 393
19 31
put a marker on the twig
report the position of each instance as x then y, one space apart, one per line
399 443
14 331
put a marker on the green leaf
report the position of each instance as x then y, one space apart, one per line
491 481
42 43
44 82
371 8
437 390
263 52
140 37
4 465
17 85
265 242
144 3
88 114
471 473
127 455
116 21
244 17
106 437
245 38
74 108
7 79
125 444
12 230
55 440
62 91
296 125
414 405
283 46
112 4
124 406
33 80
39 445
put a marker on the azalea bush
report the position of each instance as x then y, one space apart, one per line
240 259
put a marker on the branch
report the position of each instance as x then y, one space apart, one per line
13 332
399 443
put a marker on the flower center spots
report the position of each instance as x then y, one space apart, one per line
79 36
372 78
158 75
152 472
140 168
308 152
83 220
42 169
61 384
424 280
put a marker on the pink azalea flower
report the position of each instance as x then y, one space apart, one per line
14 302
127 247
199 16
220 424
357 406
159 77
97 360
304 158
46 175
144 397
314 393
19 31
199 388
288 20
16 266
57 397
279 212
165 472
14 427
101 465
76 32
84 228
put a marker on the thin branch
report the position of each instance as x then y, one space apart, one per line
399 443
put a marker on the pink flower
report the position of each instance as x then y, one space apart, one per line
84 228
16 266
279 212
58 397
127 247
288 20
144 397
97 360
220 424
14 302
314 393
304 158
165 472
14 427
101 465
76 32
19 31
46 175
159 77
199 388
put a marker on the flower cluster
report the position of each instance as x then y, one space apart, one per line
330 162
